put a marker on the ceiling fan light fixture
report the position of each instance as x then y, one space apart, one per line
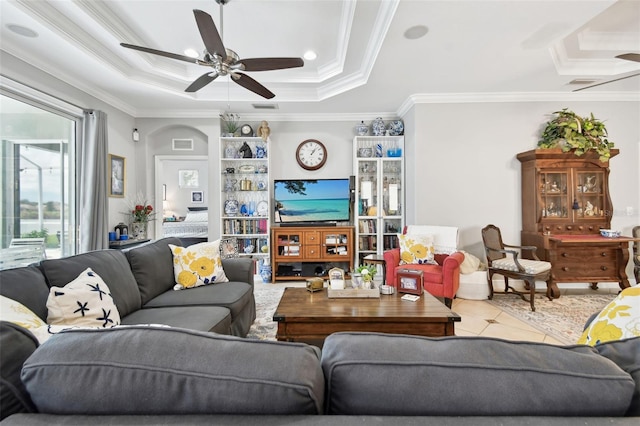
416 32
310 55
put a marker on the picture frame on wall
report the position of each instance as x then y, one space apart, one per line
116 176
197 197
188 179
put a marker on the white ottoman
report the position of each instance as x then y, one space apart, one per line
473 286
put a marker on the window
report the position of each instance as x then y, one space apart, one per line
37 172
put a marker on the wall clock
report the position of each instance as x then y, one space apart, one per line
311 154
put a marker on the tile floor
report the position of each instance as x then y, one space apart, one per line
479 318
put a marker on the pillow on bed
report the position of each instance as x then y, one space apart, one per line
197 265
197 209
197 216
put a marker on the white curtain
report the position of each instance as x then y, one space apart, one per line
93 176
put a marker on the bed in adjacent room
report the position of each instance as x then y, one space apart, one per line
194 226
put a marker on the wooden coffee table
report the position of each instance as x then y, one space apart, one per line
308 317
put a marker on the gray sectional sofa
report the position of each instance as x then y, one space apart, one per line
141 281
184 374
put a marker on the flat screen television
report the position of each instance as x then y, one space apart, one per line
313 200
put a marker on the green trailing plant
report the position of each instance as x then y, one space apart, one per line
570 132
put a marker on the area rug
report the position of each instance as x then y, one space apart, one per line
267 298
563 318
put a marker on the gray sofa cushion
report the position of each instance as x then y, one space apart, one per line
152 267
142 370
28 286
378 374
16 344
232 295
111 265
626 355
210 318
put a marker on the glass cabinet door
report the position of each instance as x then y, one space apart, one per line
288 245
553 195
589 200
335 244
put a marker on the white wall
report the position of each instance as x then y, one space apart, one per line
466 173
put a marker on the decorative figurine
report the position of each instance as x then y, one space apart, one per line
264 131
245 150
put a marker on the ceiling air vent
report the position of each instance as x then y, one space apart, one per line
182 144
265 106
582 81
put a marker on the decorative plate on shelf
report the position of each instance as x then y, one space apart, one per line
247 168
231 207
262 208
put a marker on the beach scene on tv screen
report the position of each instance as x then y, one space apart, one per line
312 200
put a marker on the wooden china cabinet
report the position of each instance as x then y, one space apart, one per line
565 203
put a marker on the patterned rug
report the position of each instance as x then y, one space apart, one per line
267 298
563 318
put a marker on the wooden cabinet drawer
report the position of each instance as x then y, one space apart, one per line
595 262
312 252
311 237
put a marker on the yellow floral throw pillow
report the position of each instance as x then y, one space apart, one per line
619 320
197 265
416 249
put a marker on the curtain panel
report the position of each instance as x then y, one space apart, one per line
93 177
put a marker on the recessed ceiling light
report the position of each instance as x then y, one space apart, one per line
23 31
192 53
416 32
310 55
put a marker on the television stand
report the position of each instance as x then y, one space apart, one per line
308 251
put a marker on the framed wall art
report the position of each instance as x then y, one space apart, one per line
116 176
188 179
197 196
410 281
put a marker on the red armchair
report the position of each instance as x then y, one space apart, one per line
441 280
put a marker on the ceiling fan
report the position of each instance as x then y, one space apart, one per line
224 61
635 57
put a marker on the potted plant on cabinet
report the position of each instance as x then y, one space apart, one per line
570 132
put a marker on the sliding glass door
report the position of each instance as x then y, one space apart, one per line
37 177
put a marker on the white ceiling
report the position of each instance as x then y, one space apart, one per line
474 50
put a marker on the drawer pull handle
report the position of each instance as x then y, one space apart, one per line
603 254
565 254
564 268
604 268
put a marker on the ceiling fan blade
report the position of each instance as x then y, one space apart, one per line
267 64
201 81
607 82
250 84
209 34
160 53
635 57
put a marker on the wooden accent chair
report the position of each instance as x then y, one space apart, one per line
636 253
441 279
503 259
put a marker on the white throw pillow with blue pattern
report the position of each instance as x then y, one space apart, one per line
84 302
